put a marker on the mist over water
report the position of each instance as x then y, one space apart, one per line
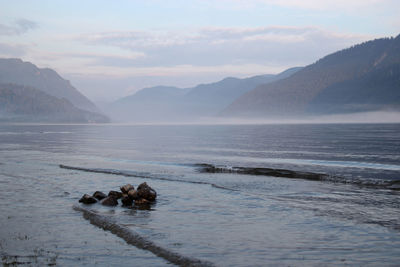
360 117
206 218
352 118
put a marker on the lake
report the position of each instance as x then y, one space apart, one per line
350 216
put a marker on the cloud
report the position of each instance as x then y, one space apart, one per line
190 56
212 46
20 26
25 25
329 5
7 50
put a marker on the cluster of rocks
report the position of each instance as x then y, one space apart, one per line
144 194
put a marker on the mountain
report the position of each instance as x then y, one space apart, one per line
148 105
209 99
162 103
364 77
20 103
377 90
16 71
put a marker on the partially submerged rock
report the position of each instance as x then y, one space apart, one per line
141 201
133 194
126 200
99 195
126 188
142 196
86 199
115 194
109 201
146 192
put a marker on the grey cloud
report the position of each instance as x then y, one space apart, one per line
222 46
6 30
25 25
138 39
235 33
12 50
20 26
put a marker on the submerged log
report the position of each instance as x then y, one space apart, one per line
208 168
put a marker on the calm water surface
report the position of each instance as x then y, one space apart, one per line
217 219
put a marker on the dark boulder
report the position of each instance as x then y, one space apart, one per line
99 195
87 199
126 201
115 194
142 201
109 201
125 189
146 192
133 194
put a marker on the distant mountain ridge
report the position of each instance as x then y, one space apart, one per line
31 94
20 103
16 71
147 105
161 103
209 99
361 94
361 78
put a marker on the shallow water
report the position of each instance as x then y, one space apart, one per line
223 219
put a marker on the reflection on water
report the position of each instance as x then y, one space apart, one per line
260 220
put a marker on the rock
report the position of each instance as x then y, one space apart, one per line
146 192
133 194
143 196
109 201
99 195
126 201
87 199
141 201
125 189
115 194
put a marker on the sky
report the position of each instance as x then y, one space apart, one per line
110 49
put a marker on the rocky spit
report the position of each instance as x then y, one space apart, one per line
128 195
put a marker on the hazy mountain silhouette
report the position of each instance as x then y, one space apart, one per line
20 103
209 99
149 104
162 103
377 90
16 71
28 93
364 77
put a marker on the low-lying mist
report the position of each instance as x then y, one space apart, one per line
360 117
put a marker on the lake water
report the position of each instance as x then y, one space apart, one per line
351 217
